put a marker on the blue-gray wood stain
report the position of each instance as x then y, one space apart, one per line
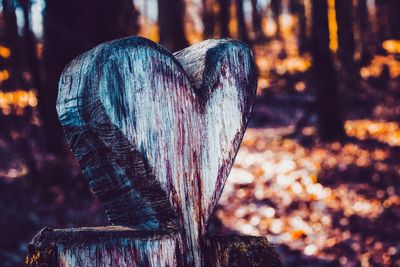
156 134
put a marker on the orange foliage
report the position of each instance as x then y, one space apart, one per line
377 64
392 46
4 75
5 52
18 99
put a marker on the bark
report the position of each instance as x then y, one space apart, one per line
121 246
170 21
330 122
239 251
70 28
144 123
241 22
224 16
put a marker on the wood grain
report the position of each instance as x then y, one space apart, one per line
103 246
156 134
116 246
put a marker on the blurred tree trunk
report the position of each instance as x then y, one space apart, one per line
71 28
330 121
365 31
170 21
208 19
276 8
362 15
30 46
348 70
382 20
298 9
241 22
224 16
394 18
34 68
12 41
257 21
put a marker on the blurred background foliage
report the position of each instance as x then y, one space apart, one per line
318 171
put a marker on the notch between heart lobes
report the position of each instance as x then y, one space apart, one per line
156 134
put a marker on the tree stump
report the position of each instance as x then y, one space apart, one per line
123 246
156 135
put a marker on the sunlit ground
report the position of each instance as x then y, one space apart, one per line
318 200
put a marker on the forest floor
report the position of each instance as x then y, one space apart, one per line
320 204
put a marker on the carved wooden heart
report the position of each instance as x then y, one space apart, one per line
156 134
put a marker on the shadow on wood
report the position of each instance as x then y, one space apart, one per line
156 135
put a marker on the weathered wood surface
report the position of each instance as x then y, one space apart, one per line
103 246
244 251
156 134
122 246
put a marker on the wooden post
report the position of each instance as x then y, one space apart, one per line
156 135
